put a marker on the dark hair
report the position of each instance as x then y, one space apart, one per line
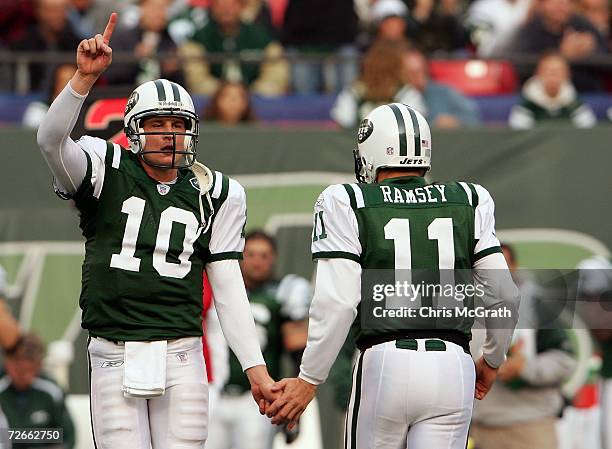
212 111
510 250
258 234
28 347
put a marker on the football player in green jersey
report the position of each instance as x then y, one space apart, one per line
153 219
280 310
414 381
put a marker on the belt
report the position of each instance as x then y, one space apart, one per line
412 344
453 336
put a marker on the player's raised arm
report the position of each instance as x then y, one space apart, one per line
65 158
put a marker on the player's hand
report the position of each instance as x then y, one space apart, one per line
296 395
485 376
261 387
95 55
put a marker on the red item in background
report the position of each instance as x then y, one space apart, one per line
475 76
207 299
277 12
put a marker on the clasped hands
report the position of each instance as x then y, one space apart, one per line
284 401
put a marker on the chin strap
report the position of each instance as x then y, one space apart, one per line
205 180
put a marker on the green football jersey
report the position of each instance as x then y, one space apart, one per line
405 224
272 305
147 244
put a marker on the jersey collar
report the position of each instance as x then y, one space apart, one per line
414 180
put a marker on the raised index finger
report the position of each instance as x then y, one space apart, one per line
110 27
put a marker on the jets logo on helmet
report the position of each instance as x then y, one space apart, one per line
131 102
392 135
162 98
365 130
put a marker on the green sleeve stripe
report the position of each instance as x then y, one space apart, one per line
474 195
336 255
224 189
485 252
351 194
110 151
214 179
230 255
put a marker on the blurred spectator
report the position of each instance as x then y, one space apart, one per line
443 106
598 13
555 26
595 294
317 28
51 32
29 400
36 110
230 105
435 25
549 96
88 17
380 82
280 310
522 408
16 17
9 339
146 40
390 19
227 33
9 328
184 24
494 23
257 11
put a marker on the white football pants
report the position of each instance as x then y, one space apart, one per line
237 424
415 399
176 420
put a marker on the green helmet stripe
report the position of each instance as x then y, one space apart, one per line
401 127
175 92
161 92
417 132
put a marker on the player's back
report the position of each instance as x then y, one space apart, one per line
407 229
407 223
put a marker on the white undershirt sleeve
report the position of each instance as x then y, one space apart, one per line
333 310
64 156
501 294
234 311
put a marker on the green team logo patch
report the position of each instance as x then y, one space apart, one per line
131 102
365 130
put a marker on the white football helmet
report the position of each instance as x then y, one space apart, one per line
392 135
161 98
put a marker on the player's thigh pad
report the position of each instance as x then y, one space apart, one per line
179 418
118 422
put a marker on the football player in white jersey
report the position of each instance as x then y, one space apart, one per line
414 381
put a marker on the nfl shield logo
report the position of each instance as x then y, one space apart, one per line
163 189
389 151
194 183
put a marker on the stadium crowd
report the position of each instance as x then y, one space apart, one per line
437 56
